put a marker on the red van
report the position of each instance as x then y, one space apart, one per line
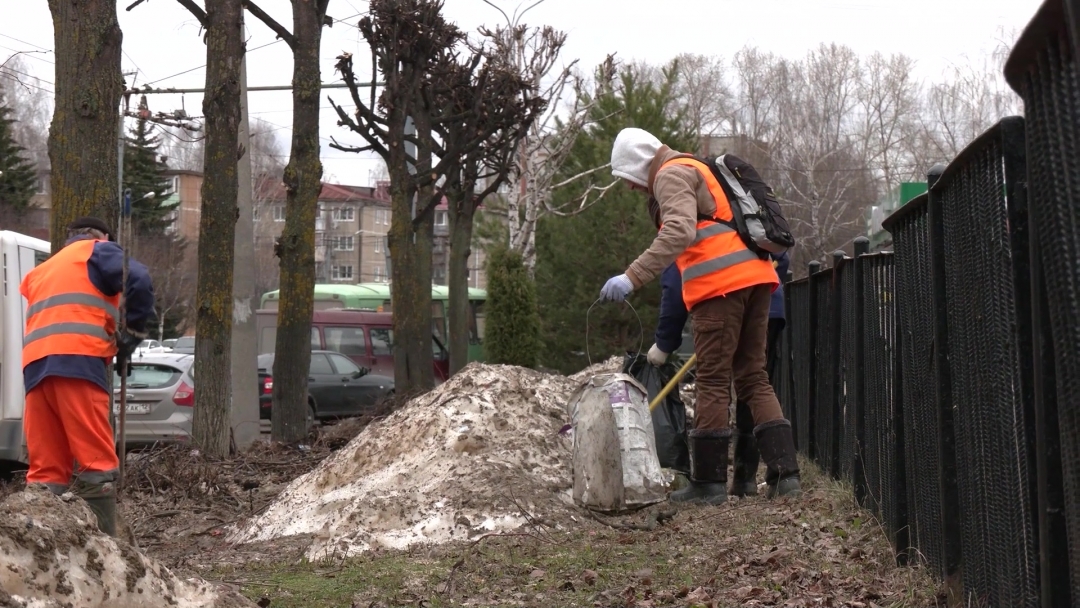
365 337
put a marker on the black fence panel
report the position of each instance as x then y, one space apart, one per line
799 331
1043 69
990 405
845 301
883 460
910 229
824 411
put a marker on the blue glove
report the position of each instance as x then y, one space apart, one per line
616 289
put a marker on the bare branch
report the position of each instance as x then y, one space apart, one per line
574 178
261 15
193 8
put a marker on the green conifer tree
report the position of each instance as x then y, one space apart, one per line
512 335
144 173
576 255
19 178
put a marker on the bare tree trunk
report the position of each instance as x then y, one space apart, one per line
83 137
296 248
461 230
213 320
410 292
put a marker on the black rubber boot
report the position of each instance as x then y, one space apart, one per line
744 481
101 497
778 451
708 468
747 458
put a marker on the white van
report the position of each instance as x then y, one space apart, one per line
21 254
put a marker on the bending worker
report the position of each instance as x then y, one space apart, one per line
72 315
727 289
673 315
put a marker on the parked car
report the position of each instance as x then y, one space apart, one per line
337 387
160 398
363 336
184 345
152 346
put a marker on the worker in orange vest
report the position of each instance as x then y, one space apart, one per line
72 314
728 290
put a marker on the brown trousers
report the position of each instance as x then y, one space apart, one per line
730 335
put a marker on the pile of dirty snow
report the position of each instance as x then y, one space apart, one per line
611 366
52 554
485 452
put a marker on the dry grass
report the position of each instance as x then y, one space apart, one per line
818 550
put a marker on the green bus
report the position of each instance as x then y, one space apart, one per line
376 297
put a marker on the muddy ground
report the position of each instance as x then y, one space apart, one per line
818 550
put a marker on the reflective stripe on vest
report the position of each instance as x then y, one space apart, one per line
717 262
66 314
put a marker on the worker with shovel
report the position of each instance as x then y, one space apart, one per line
669 326
727 289
73 302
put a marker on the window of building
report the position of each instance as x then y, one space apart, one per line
343 243
279 213
341 273
379 245
380 274
440 218
382 217
344 214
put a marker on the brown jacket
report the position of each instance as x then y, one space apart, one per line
682 194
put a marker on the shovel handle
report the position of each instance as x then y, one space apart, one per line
673 382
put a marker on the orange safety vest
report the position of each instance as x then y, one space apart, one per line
718 262
65 313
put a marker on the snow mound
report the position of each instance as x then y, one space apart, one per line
482 453
611 366
52 554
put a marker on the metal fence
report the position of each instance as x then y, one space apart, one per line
943 379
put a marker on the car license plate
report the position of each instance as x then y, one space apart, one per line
133 408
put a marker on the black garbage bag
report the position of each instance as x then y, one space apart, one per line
669 417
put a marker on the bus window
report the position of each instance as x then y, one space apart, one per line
348 341
476 321
267 340
438 319
382 342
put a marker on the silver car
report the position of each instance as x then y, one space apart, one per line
160 398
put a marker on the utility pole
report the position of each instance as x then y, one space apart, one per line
245 397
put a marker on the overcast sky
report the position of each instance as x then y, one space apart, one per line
162 42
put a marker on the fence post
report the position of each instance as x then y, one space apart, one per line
788 352
837 302
950 500
858 374
811 399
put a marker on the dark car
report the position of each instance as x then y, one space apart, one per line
185 345
337 387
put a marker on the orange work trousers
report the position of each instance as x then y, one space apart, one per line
66 421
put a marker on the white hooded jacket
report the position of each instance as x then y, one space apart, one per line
632 155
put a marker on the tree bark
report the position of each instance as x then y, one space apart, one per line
213 320
296 248
84 134
461 230
410 290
